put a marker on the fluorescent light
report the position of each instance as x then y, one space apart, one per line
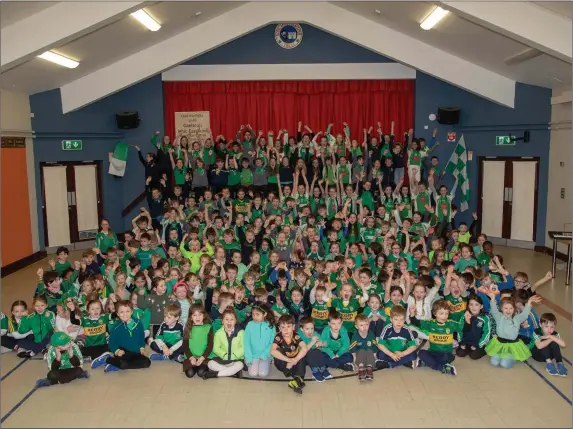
433 18
59 59
143 17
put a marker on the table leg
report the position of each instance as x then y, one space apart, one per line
568 271
554 260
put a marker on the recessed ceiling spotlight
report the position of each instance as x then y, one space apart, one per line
377 11
197 13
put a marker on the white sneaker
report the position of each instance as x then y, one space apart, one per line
4 350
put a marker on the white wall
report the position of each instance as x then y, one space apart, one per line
15 121
559 210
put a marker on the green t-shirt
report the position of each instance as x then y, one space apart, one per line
234 177
179 175
246 177
441 335
95 330
319 314
348 312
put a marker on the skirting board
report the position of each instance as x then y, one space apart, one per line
546 250
23 263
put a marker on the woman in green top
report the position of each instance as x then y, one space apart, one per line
105 238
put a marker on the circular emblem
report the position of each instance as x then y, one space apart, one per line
288 36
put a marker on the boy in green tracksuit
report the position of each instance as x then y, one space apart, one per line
64 361
336 343
441 336
61 264
40 324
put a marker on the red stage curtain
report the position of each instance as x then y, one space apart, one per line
274 105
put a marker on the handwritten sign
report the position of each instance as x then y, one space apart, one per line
194 125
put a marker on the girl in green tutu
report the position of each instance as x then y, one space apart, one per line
506 348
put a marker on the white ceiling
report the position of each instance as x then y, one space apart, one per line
454 35
466 40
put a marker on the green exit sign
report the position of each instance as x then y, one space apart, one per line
72 145
504 141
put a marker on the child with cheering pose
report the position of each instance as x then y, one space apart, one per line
506 347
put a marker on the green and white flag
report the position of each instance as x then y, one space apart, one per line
457 166
118 159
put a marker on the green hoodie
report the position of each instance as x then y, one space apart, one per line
335 346
41 325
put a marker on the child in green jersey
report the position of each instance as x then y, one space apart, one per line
363 348
95 330
41 323
64 361
441 337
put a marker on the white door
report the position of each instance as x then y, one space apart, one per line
56 200
522 199
492 198
86 196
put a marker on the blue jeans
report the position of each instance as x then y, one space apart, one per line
436 360
504 363
398 172
392 363
338 362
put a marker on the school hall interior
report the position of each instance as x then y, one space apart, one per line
81 79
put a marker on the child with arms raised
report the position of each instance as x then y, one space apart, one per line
506 347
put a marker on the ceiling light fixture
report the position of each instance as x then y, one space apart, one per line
59 59
433 18
377 11
197 13
144 18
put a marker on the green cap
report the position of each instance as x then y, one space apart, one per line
60 339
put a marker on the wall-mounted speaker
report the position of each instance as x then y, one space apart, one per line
448 115
127 120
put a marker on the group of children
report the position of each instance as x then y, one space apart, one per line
334 260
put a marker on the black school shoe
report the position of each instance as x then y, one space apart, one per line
462 352
210 374
382 364
24 354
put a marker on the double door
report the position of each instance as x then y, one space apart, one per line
71 202
508 200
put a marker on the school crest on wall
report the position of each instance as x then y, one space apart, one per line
288 36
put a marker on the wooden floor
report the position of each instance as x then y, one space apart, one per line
480 396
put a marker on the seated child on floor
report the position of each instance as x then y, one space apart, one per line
64 361
363 348
336 344
440 332
259 336
167 343
397 342
506 347
546 345
476 332
289 351
126 341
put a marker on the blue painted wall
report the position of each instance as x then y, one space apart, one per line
260 47
481 120
95 125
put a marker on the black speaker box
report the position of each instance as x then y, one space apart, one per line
127 120
448 115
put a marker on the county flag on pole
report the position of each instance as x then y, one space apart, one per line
118 159
457 165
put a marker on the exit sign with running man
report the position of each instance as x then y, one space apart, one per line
72 145
504 141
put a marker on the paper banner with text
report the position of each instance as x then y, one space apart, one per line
194 125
